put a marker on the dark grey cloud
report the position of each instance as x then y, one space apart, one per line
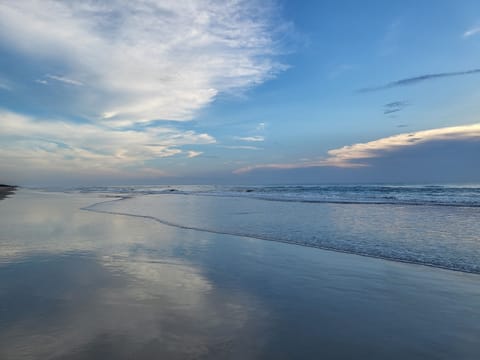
442 161
394 107
396 104
391 111
417 79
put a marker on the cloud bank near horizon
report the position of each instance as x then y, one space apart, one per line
32 145
357 155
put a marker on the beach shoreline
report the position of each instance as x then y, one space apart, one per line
122 287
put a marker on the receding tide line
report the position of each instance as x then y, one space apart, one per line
267 238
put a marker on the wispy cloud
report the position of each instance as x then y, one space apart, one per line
250 138
192 154
240 147
395 106
64 80
59 147
418 79
261 126
355 155
471 32
148 59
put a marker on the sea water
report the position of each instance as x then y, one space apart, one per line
435 225
84 281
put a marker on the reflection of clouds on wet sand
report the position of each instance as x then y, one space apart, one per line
87 285
39 223
80 287
78 307
158 277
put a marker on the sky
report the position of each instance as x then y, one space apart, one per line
239 91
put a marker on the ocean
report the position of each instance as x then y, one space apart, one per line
435 225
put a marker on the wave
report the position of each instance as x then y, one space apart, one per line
437 195
411 251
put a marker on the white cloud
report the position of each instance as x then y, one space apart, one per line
250 138
31 144
240 147
348 154
192 154
147 59
352 155
64 80
471 32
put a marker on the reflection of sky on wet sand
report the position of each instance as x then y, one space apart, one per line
79 285
443 236
83 285
77 308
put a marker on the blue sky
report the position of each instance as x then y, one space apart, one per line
239 91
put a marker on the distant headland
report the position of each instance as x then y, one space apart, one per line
6 190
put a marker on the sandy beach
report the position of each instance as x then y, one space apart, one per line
77 284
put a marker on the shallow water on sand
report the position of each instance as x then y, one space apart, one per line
442 236
83 285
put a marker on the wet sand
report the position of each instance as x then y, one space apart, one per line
81 285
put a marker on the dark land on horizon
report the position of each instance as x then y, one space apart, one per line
6 190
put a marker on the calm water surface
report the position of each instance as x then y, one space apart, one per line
80 284
438 235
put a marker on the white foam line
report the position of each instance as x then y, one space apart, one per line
266 238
